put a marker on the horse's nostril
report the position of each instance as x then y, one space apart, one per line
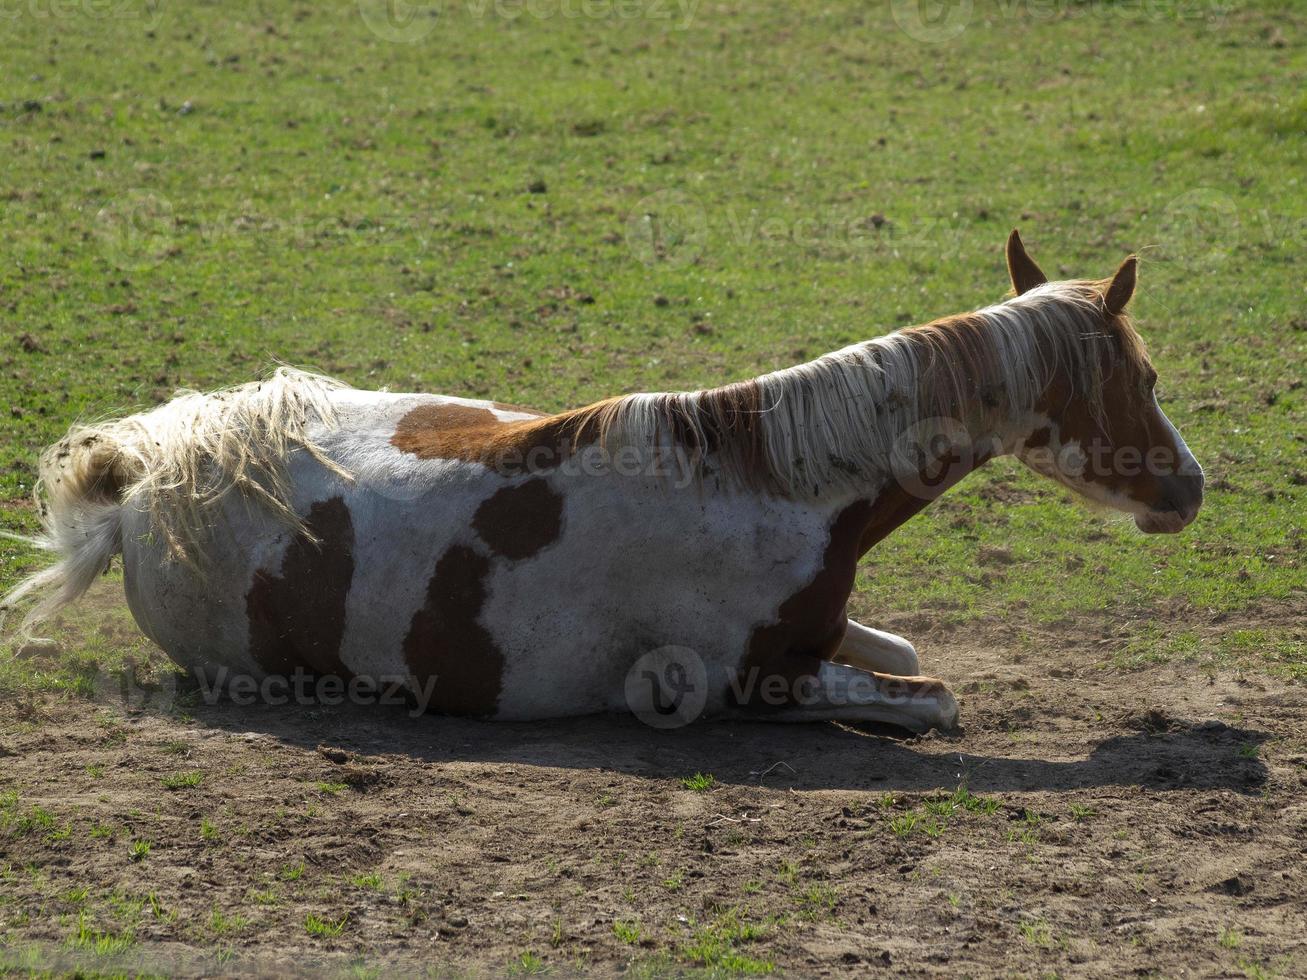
1182 494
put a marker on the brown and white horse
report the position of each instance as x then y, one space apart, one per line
511 564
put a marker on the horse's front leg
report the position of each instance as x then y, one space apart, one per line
840 693
877 651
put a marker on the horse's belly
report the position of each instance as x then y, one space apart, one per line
509 597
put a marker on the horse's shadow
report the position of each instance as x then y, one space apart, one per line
1204 755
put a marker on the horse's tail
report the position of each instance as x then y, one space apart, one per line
177 460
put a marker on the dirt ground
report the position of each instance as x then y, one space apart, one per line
1115 823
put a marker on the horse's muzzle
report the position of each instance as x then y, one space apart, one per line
1181 499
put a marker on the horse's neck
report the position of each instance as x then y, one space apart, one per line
846 424
870 408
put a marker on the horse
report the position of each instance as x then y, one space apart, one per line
516 565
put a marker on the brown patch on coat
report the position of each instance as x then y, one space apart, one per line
810 624
477 435
447 647
895 504
517 521
297 614
726 420
445 431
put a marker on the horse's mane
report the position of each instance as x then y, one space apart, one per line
833 422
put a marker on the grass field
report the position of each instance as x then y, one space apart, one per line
555 201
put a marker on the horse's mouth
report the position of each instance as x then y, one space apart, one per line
1164 521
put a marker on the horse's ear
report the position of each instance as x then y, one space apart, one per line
1025 273
1122 287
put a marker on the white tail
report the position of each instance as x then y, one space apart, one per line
179 459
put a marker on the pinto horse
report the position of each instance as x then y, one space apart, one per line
511 564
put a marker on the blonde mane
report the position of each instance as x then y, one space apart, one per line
832 423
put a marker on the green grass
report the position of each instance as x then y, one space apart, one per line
191 198
100 941
223 924
699 782
528 964
323 927
291 872
817 901
722 944
183 780
1037 932
1230 938
932 817
628 932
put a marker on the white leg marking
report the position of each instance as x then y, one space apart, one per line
878 651
845 694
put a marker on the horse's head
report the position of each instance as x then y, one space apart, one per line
1111 443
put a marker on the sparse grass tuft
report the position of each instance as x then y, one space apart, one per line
1037 932
528 964
222 924
100 941
182 780
291 872
699 782
817 901
628 932
322 927
716 944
